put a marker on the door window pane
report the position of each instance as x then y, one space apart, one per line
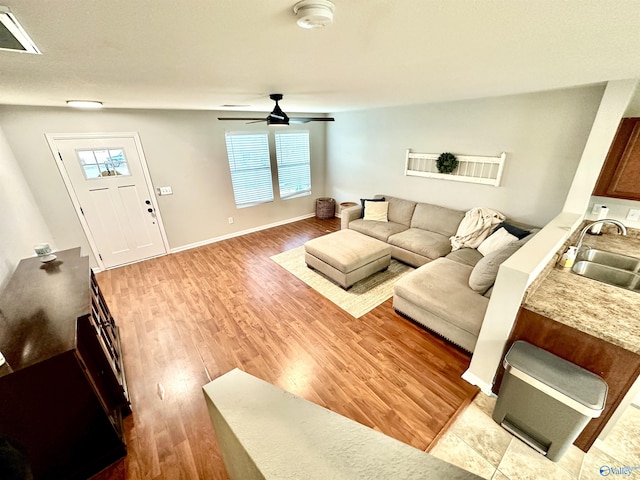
101 163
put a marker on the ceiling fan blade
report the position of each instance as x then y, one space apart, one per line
242 118
311 119
278 117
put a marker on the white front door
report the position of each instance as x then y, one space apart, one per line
114 196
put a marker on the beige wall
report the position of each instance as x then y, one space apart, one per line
184 149
543 134
21 223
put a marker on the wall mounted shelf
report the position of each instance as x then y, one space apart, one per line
471 168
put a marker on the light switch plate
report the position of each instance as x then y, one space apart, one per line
165 191
596 208
633 215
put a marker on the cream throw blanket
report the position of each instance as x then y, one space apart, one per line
475 227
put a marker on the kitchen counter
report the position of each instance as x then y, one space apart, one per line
598 309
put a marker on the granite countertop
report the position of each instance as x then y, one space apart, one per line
601 310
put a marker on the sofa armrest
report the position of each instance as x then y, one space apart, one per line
348 215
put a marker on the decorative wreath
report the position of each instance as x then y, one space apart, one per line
447 162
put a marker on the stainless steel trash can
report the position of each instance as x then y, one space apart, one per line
545 400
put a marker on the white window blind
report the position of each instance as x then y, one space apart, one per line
294 164
250 168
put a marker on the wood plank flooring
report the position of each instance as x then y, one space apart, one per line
190 317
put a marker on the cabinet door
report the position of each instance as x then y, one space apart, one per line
620 176
101 368
51 410
107 332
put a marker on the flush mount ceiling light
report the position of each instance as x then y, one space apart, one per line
314 13
12 36
87 104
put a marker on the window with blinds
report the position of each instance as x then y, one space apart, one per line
250 167
294 164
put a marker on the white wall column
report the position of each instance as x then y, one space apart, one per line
614 103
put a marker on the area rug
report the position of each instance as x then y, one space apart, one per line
362 297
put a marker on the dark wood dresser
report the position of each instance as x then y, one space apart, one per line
63 392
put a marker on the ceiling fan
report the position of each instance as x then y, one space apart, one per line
278 117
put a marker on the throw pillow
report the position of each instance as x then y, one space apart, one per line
497 240
376 211
484 274
513 230
362 200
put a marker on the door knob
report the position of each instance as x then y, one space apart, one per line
148 202
150 210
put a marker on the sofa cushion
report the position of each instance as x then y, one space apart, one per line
513 230
496 241
437 219
400 211
380 230
484 274
376 211
442 288
468 256
428 244
362 200
524 240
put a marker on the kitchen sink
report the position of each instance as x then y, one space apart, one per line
607 274
610 259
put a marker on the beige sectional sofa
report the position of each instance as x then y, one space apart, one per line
417 232
449 291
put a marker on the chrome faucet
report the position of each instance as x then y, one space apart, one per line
621 228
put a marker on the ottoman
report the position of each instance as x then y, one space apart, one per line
347 256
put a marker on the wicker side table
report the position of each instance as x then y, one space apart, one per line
325 208
344 205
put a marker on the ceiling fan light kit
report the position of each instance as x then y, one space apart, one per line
314 13
277 116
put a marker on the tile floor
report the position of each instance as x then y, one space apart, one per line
478 444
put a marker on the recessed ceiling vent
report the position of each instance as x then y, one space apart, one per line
12 36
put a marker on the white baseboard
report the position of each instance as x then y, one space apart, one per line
237 234
223 237
474 380
98 269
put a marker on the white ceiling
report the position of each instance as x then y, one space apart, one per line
202 54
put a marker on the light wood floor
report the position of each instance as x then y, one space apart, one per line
189 317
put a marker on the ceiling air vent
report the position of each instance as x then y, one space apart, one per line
12 35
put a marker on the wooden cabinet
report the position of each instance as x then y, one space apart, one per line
620 175
63 392
617 366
